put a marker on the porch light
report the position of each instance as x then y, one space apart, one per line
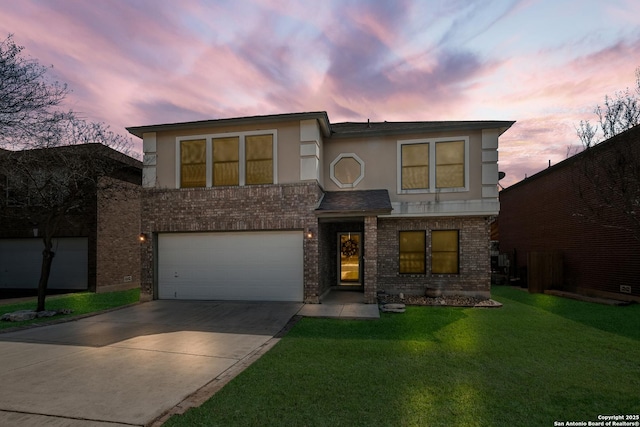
142 237
309 234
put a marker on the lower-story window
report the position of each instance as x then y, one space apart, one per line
445 254
412 252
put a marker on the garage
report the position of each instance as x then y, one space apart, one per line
21 260
250 266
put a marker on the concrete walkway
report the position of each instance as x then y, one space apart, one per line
342 305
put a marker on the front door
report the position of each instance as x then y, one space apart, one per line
349 256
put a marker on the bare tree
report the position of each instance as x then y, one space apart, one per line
608 169
618 114
28 99
53 163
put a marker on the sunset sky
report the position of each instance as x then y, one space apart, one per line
545 64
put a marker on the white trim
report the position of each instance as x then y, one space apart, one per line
275 155
149 142
476 207
209 165
241 155
242 160
309 149
149 176
432 165
332 170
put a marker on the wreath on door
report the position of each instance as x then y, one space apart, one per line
349 248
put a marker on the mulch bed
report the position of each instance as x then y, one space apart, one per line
449 300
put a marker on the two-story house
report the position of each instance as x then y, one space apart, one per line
287 207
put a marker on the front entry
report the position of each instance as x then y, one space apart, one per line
349 259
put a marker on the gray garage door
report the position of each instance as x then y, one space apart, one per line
255 266
21 260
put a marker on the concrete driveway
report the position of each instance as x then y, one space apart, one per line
130 366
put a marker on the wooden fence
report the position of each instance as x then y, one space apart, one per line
544 271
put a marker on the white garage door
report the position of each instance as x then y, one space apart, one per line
255 266
21 260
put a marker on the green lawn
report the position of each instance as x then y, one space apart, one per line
537 360
80 303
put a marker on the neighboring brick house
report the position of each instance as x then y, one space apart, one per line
290 206
572 216
97 250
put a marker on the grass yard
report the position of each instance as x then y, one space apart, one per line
537 360
80 303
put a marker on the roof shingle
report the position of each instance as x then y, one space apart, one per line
355 202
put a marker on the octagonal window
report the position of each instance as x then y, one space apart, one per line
347 170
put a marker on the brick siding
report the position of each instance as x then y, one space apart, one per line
117 246
259 207
370 259
551 212
474 278
291 207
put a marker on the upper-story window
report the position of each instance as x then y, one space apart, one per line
428 165
259 159
241 158
415 166
450 164
226 161
193 162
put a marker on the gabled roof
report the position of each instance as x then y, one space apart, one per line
321 116
347 203
93 148
629 136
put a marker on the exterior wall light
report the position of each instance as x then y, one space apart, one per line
142 237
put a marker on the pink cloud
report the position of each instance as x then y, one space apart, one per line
144 62
550 102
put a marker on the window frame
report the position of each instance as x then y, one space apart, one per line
432 165
431 252
241 155
335 179
424 271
